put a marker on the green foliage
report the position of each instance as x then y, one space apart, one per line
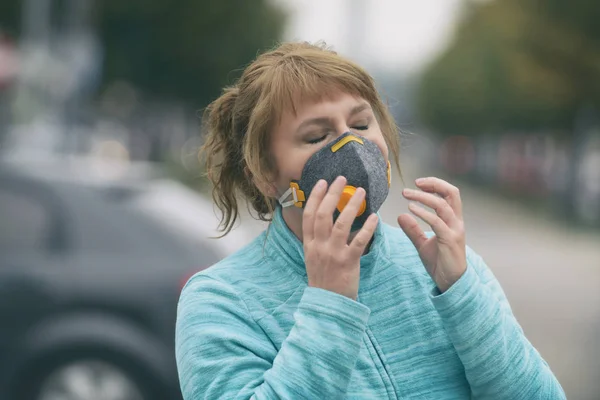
183 49
10 18
186 48
514 64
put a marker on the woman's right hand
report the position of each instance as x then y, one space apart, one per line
331 262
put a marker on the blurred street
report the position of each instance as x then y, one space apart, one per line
105 212
550 272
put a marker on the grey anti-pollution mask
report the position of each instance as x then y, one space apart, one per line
356 158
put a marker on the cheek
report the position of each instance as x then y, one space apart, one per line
380 142
376 136
291 165
298 161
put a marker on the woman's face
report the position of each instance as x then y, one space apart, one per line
315 125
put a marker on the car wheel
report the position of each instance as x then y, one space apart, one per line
87 379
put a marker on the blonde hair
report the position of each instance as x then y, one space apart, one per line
239 122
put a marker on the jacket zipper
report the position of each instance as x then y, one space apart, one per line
388 382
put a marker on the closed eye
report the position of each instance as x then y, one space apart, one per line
362 127
316 140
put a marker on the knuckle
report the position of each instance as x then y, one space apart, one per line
317 256
322 214
360 241
456 237
340 224
309 249
446 208
438 223
308 213
440 207
339 258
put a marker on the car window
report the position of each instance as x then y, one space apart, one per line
24 222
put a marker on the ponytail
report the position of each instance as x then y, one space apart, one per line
225 166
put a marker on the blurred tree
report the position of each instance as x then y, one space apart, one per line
566 39
10 11
187 48
183 49
514 64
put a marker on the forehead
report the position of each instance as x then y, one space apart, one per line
322 106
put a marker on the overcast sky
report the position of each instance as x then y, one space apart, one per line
394 34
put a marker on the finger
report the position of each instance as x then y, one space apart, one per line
447 191
364 236
411 227
439 205
343 224
324 215
438 226
310 210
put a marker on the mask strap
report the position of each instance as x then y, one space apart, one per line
298 197
290 191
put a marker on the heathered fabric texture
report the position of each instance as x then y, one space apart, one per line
250 328
363 165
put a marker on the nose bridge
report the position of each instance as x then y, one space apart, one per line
345 140
341 126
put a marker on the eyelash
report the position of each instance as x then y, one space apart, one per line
321 138
316 140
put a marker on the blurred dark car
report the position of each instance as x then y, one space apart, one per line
88 291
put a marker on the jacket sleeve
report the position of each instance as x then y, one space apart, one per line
222 352
499 361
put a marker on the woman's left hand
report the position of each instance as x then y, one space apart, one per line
444 254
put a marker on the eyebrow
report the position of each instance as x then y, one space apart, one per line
322 121
325 120
359 108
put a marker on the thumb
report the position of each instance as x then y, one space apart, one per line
412 229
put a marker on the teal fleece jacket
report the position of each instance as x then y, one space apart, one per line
249 327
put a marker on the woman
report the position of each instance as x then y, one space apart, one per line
330 303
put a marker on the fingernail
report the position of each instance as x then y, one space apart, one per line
420 180
408 191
